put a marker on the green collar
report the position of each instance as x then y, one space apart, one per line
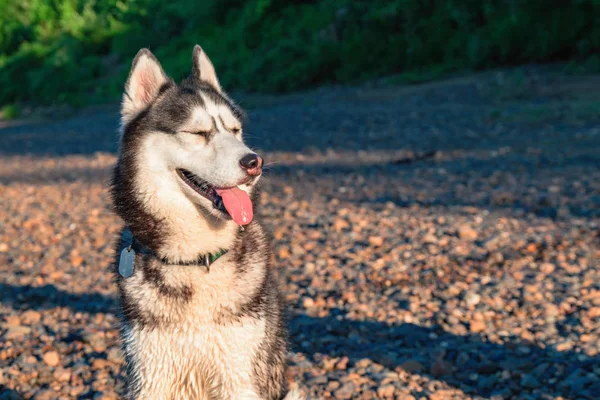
214 257
205 259
133 246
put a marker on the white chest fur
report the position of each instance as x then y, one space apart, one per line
196 363
195 349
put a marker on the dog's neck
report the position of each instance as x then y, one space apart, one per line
187 230
131 243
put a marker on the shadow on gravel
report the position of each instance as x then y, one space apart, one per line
83 134
49 296
467 362
59 175
508 182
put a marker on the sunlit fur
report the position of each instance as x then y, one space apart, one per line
189 333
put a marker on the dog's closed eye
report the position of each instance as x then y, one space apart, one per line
199 133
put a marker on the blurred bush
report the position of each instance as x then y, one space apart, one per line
79 51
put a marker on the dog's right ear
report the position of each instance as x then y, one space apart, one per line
145 80
203 69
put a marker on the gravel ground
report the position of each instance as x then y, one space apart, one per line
437 241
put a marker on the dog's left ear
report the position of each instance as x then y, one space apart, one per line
203 69
145 80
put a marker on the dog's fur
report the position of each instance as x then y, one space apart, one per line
189 332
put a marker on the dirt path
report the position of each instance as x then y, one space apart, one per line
439 240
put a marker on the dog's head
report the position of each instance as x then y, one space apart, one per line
186 140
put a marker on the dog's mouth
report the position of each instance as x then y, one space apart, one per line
233 201
201 187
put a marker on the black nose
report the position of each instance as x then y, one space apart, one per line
251 162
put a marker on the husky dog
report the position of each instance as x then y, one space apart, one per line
202 313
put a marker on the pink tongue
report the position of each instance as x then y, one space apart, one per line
238 205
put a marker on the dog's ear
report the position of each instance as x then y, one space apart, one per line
203 69
145 80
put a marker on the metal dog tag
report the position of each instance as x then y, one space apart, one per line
126 262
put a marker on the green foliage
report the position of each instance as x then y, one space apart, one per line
76 51
9 111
